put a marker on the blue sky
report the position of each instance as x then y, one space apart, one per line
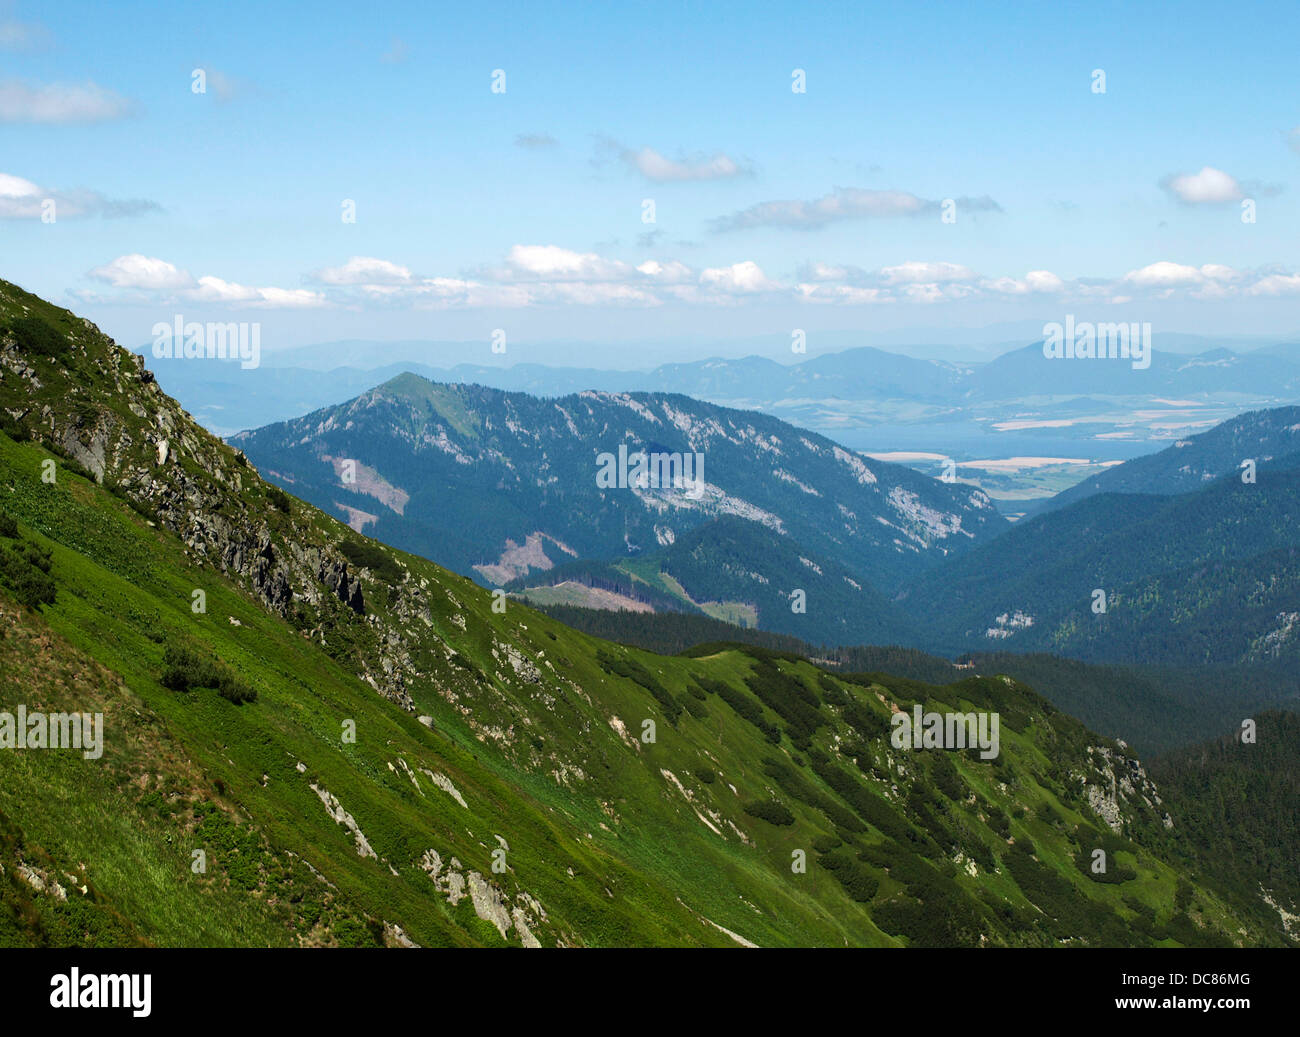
774 210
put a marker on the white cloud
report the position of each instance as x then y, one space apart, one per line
290 298
655 166
1208 187
17 187
923 293
21 199
1036 281
936 282
1043 281
442 293
59 103
551 275
1165 275
1007 286
740 278
139 275
142 272
595 294
843 293
841 204
1276 284
532 275
214 289
672 272
364 270
1212 280
917 273
827 272
551 262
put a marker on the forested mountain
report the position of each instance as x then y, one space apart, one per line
794 535
1192 463
1245 824
1205 577
502 485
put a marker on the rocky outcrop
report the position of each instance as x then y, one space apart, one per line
525 669
334 574
1118 787
490 902
395 937
336 811
86 443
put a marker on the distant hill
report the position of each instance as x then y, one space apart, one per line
1027 372
885 399
1210 576
1192 463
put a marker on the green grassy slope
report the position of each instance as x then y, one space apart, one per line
482 738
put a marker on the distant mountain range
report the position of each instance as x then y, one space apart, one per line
866 398
1027 372
237 399
954 344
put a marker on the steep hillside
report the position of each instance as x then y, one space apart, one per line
309 738
735 571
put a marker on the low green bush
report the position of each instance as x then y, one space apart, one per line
185 670
770 810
